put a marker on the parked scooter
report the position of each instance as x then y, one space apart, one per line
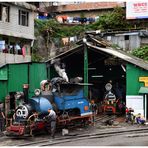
130 118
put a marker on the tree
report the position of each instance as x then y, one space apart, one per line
113 20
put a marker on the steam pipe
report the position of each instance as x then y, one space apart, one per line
25 90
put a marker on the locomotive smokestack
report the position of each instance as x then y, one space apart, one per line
25 90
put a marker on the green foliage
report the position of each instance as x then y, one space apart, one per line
113 20
67 31
56 30
50 29
47 25
42 24
36 58
141 53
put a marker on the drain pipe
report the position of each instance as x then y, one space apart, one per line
25 90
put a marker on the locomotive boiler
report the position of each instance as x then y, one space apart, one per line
66 99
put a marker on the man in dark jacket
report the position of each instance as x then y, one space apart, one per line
51 117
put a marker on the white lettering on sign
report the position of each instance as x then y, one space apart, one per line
137 9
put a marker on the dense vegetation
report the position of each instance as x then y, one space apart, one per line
51 29
113 20
141 52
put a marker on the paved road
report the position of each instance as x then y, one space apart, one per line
120 140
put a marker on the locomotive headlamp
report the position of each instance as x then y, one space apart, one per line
37 92
108 86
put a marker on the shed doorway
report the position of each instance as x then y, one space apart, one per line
102 68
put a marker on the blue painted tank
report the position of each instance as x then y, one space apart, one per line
71 97
40 104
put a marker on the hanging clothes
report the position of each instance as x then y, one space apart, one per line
2 45
10 48
70 19
96 18
28 50
17 49
24 51
64 17
73 39
65 41
59 19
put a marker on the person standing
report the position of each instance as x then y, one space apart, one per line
51 117
94 110
2 117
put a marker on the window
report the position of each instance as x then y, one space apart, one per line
23 18
4 13
126 37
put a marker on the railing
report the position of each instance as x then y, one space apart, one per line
6 58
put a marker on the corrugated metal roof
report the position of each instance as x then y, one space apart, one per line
122 55
115 52
71 51
130 33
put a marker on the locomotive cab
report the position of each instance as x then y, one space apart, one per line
71 99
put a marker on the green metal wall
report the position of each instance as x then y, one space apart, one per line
37 73
132 79
13 76
4 73
3 83
17 76
3 90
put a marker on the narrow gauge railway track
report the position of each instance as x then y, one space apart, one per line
83 136
105 117
98 119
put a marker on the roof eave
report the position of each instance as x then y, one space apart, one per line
122 55
25 5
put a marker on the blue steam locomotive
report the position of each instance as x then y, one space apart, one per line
66 99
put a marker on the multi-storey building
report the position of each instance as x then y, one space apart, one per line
16 31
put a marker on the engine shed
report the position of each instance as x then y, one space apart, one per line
97 62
